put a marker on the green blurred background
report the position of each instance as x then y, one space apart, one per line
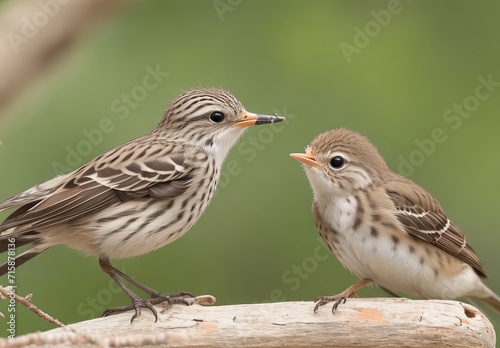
257 241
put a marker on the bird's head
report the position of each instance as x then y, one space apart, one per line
210 118
341 161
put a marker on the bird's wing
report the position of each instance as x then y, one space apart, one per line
35 193
421 216
154 170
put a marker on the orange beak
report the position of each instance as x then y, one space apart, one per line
307 158
251 119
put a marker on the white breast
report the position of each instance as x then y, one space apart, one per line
378 258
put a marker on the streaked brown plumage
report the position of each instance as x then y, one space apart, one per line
136 197
385 228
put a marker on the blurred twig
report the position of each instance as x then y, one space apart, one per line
7 292
34 33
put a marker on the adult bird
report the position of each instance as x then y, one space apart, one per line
136 197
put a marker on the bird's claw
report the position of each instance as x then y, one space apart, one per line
323 300
156 298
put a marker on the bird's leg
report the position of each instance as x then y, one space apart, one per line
342 297
137 302
176 297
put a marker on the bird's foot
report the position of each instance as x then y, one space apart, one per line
342 297
182 297
176 297
323 300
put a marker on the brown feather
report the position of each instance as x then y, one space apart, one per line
422 217
152 171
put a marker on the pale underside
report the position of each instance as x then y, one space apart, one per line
404 266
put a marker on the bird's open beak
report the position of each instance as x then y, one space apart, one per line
307 158
249 119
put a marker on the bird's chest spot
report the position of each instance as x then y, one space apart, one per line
341 213
346 216
337 221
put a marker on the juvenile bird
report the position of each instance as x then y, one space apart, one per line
136 197
385 228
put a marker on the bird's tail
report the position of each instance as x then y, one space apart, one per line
487 295
13 235
493 301
14 261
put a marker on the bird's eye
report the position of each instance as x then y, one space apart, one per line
217 116
337 162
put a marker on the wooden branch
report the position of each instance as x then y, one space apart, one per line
358 323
